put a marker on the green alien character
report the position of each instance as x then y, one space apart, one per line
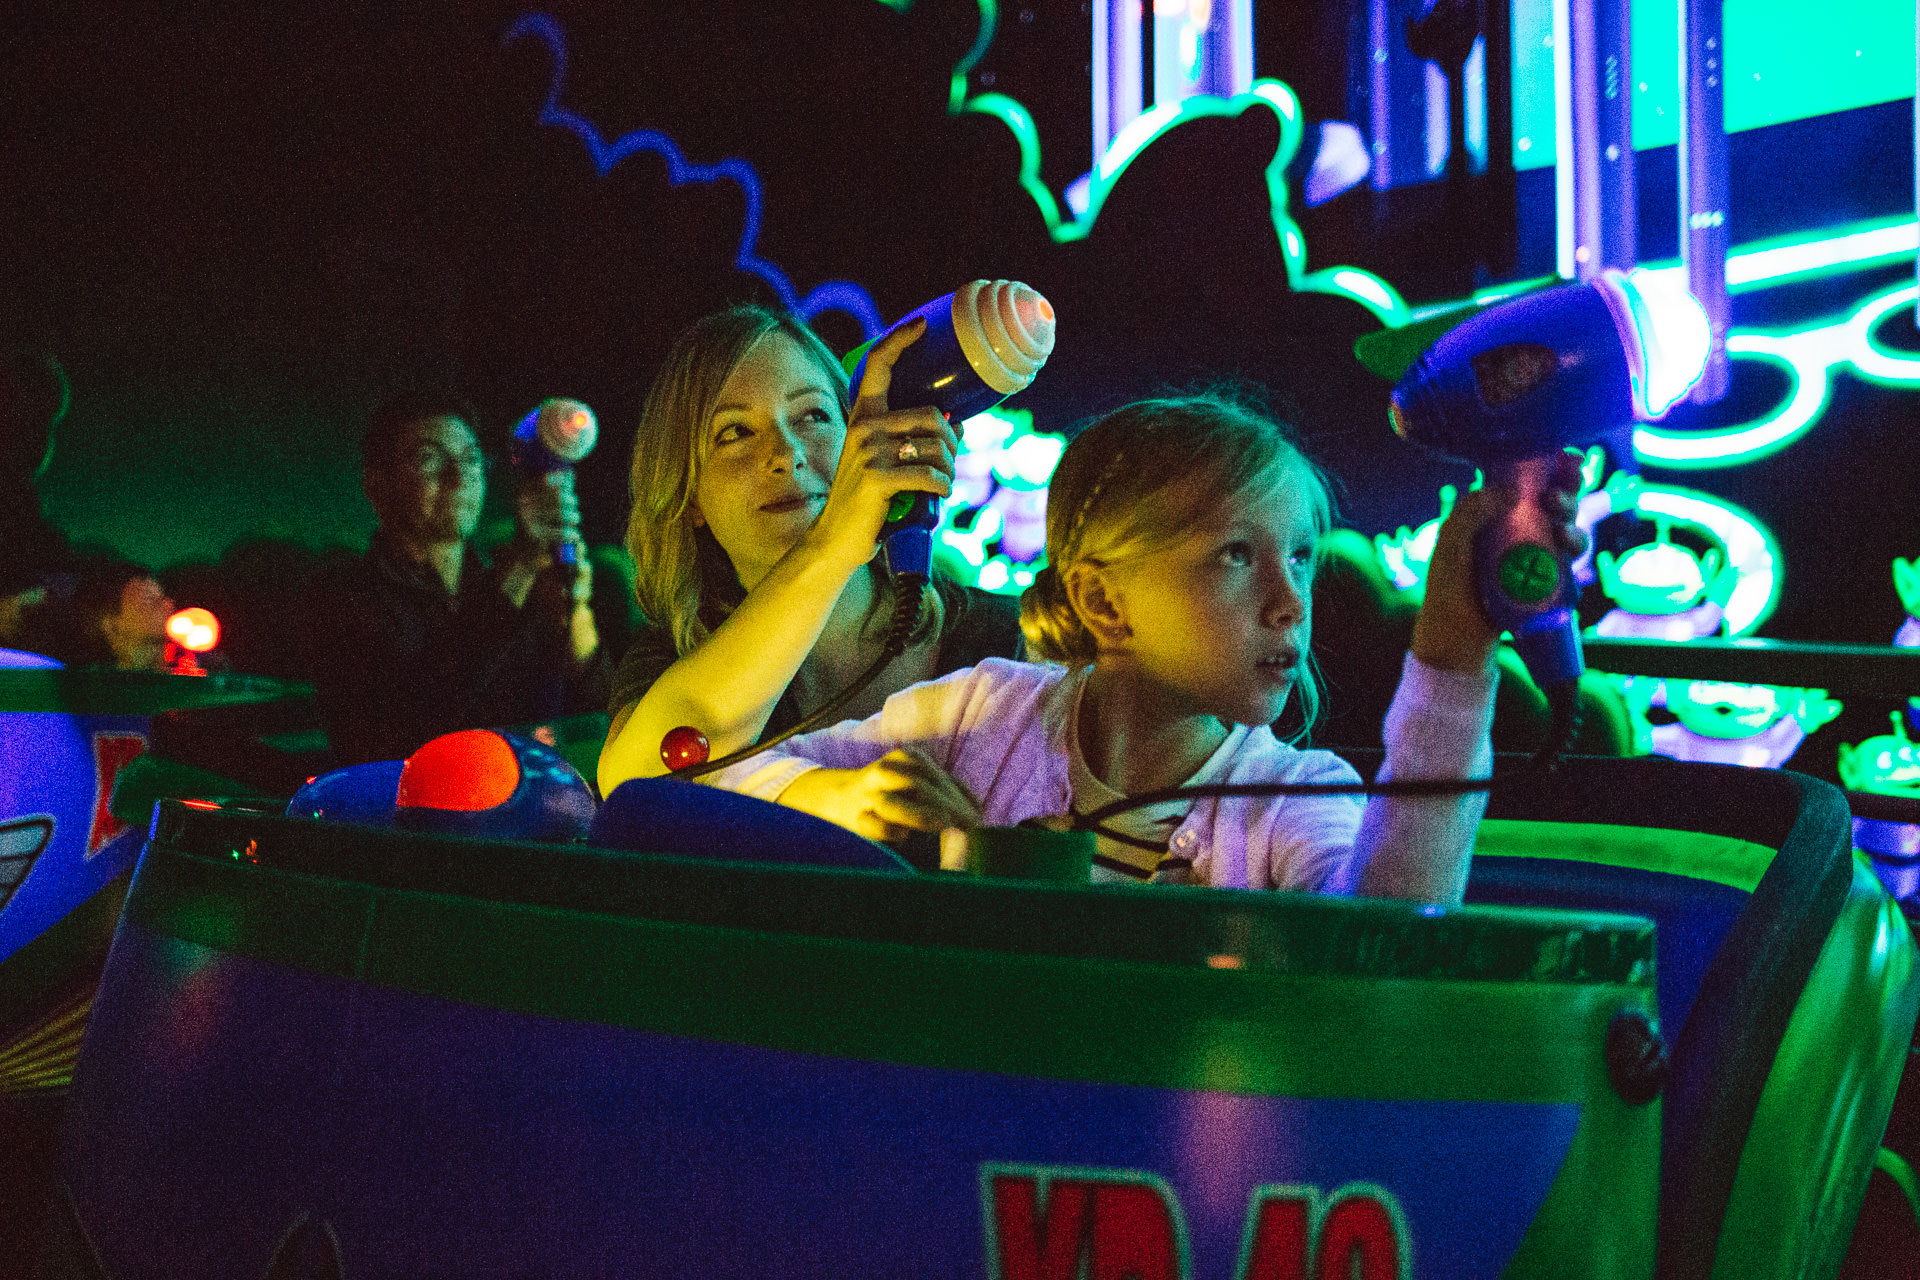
1755 725
1888 765
1906 581
1664 591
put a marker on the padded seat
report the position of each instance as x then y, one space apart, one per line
1787 987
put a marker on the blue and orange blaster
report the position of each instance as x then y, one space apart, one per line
983 342
1515 384
480 783
555 436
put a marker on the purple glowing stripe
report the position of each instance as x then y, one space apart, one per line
834 295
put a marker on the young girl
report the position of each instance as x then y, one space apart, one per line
1178 605
759 487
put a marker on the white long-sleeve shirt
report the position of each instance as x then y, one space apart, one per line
1002 728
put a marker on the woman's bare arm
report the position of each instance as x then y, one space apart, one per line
727 688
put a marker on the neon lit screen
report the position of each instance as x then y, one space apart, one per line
1783 63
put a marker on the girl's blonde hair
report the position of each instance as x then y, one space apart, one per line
683 580
677 566
1133 483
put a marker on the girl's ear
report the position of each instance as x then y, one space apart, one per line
693 509
1091 591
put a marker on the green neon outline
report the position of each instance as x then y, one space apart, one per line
1749 544
1810 355
1363 287
1789 259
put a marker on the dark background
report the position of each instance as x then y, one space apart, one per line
237 225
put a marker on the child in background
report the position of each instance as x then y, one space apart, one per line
1175 616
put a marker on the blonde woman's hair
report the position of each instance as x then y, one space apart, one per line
1123 490
680 572
676 565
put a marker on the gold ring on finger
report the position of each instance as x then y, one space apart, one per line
909 451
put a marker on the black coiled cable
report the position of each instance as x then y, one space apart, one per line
908 599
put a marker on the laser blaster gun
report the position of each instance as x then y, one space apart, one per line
555 436
983 342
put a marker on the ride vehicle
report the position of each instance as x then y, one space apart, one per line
749 1040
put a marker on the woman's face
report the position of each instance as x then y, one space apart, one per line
771 446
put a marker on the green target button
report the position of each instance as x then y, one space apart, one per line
1528 573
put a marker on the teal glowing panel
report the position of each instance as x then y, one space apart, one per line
1783 63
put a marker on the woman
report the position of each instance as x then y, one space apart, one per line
759 491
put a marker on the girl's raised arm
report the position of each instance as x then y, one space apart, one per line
1422 849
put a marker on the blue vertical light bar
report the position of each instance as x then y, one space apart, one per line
1176 49
1380 113
1618 214
1228 55
1594 170
1703 180
1117 71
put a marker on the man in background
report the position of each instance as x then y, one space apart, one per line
422 635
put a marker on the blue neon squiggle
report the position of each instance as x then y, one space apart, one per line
834 295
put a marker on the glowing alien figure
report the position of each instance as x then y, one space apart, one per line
1888 765
1620 494
1664 592
1755 725
993 527
1906 581
1404 555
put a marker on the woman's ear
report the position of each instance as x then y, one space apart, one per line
693 509
1095 598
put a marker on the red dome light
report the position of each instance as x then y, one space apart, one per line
195 630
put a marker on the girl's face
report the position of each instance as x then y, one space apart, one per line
771 446
1221 619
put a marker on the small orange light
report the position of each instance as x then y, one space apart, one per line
200 804
195 630
1223 961
577 420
